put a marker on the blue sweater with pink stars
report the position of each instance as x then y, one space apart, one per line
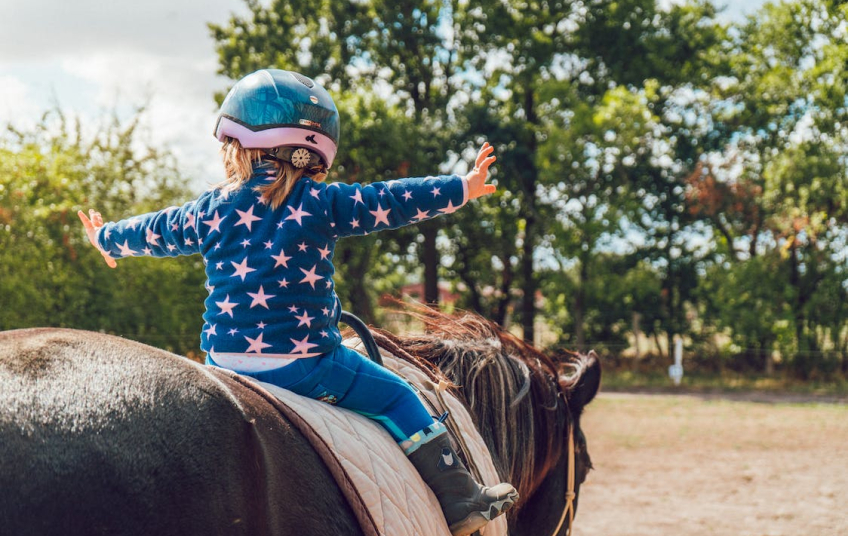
270 272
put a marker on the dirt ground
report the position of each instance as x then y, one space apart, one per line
687 465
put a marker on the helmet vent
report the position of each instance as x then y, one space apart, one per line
303 80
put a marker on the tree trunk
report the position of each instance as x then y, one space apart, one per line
580 307
431 260
529 180
502 304
636 339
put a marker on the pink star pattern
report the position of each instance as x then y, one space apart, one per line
311 277
242 269
381 215
298 214
256 345
152 238
226 306
302 346
247 218
215 223
450 209
281 259
125 249
260 298
421 215
305 319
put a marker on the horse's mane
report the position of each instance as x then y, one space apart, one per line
510 387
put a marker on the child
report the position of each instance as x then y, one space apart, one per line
267 235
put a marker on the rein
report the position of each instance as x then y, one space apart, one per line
568 509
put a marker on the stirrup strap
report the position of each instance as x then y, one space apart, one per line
453 429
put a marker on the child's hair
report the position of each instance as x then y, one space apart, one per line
238 165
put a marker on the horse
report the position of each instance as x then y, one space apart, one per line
103 435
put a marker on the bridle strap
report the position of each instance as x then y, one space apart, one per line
568 509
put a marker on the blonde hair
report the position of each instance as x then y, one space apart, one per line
238 165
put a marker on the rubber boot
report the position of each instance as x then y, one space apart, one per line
466 504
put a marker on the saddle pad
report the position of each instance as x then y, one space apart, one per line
398 500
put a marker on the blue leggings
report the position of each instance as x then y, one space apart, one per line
350 380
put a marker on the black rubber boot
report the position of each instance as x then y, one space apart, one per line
466 504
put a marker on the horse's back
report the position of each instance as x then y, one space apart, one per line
100 435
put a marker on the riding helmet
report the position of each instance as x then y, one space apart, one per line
277 110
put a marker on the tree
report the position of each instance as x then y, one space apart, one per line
49 273
783 171
403 50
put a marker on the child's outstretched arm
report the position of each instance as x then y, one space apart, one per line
167 233
91 227
357 209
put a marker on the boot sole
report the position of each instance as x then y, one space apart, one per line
477 520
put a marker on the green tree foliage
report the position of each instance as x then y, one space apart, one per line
49 273
634 138
661 172
777 191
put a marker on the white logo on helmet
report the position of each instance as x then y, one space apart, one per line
314 99
300 158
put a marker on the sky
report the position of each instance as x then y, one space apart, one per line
90 57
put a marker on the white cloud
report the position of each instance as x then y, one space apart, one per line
92 58
39 29
16 105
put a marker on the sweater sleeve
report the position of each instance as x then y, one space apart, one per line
167 233
357 209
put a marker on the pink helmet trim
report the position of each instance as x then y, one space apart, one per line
278 137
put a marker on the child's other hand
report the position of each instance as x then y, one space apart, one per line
477 177
91 227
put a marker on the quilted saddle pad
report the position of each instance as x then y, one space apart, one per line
398 500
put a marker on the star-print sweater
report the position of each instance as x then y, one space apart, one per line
270 272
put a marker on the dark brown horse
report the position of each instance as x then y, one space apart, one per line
101 435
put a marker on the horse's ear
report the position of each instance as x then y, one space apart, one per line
588 383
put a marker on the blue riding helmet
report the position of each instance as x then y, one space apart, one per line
273 108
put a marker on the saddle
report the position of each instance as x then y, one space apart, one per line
383 488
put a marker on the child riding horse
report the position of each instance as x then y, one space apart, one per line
267 235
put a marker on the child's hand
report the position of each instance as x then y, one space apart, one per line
91 227
477 177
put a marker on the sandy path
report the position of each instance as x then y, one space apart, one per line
679 465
